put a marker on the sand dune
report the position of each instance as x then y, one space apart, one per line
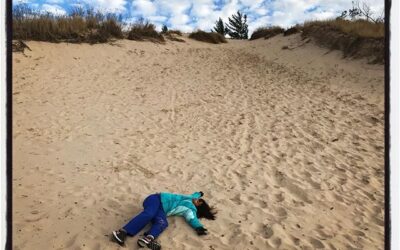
287 144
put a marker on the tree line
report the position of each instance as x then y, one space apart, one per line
362 10
236 28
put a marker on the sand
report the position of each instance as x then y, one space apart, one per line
288 144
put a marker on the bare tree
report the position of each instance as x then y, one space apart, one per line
381 17
354 11
364 10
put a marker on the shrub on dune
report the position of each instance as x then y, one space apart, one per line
356 38
175 32
360 28
79 26
208 37
144 31
266 32
291 31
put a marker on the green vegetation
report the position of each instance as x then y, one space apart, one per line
237 28
220 27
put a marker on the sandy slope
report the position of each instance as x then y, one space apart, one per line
287 144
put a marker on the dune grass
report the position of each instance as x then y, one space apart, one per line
360 28
144 31
78 26
174 32
266 32
357 39
208 37
292 30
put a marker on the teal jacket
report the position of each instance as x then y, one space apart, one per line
181 205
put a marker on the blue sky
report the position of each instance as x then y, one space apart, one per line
188 15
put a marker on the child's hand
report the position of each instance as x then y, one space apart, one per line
201 231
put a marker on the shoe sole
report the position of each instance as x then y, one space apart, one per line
116 239
154 246
151 245
141 243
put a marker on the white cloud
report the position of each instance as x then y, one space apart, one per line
144 8
205 24
323 15
158 19
21 2
184 28
53 9
193 14
229 9
180 19
54 1
202 14
114 6
259 22
173 7
203 8
289 12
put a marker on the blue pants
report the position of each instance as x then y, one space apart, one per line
153 212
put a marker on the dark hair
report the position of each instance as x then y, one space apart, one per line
205 211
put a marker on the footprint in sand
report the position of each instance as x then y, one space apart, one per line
237 199
295 240
35 216
279 197
267 231
281 212
286 182
316 243
71 241
276 242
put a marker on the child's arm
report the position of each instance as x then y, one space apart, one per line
195 195
191 219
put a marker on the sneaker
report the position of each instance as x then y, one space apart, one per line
149 242
119 236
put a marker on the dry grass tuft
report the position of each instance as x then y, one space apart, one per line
291 31
175 32
357 39
173 37
266 32
144 31
208 37
80 26
359 28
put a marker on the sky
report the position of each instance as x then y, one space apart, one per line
189 15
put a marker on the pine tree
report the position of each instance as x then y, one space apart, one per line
237 27
220 27
164 29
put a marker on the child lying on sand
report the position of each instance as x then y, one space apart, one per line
156 209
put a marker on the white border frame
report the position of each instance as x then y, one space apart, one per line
3 125
394 123
394 152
